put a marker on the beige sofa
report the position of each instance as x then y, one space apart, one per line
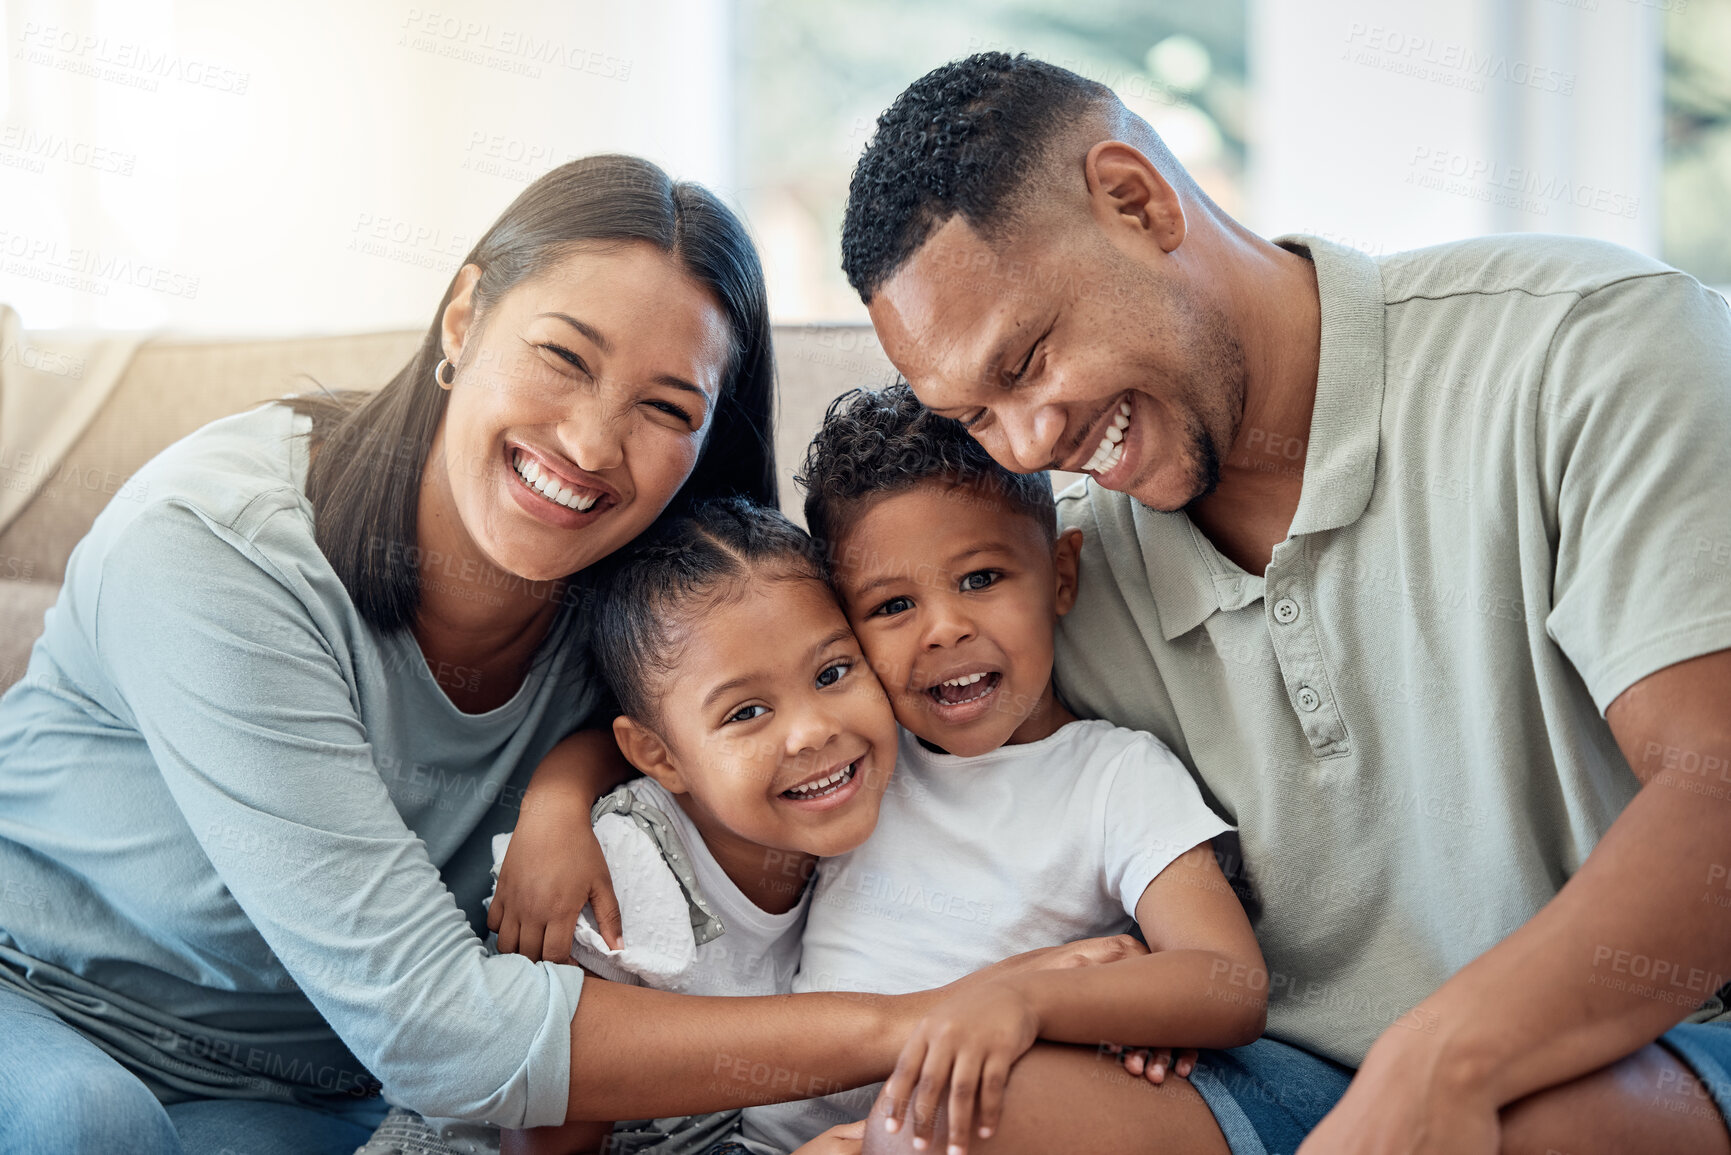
174 386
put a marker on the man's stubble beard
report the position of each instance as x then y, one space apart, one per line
1210 395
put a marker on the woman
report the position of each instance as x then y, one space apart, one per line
248 783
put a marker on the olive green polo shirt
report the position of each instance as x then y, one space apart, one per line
1516 503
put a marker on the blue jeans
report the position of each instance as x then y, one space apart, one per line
60 1093
1269 1095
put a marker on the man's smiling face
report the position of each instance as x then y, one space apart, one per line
1060 350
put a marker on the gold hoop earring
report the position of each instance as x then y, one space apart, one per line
439 377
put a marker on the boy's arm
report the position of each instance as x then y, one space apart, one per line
553 867
1204 984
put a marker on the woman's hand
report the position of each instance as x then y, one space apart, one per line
968 1043
842 1139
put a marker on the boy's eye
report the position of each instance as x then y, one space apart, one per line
747 713
979 579
830 675
893 606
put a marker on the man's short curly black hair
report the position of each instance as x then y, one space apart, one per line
878 442
961 139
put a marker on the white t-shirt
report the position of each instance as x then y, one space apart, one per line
976 859
756 954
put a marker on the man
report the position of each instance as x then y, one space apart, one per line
1422 563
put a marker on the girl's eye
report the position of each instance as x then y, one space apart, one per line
979 579
747 713
893 606
830 675
972 419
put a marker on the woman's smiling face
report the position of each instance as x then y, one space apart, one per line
581 401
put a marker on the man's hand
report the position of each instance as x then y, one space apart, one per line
553 868
967 1043
1402 1103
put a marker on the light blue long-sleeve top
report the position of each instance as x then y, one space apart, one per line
244 837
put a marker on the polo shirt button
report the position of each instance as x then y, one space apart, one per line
1308 699
1286 611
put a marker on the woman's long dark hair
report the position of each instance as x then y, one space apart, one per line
365 480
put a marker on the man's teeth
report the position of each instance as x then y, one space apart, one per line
967 680
1111 448
550 487
824 785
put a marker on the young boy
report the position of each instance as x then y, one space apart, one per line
1009 824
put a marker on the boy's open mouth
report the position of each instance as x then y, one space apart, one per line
965 688
822 787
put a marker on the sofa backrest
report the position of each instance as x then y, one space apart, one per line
174 386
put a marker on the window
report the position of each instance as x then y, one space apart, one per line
813 75
1697 168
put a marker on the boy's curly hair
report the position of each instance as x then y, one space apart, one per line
877 442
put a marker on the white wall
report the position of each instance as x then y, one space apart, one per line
317 167
1390 124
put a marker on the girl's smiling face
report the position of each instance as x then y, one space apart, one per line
769 722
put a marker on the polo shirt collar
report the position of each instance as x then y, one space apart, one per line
1190 579
1346 427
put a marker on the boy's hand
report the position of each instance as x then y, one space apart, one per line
1154 1062
968 1043
1081 953
842 1139
553 868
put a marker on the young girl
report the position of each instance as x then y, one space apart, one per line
765 742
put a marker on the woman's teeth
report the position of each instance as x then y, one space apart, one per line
823 785
550 487
1111 448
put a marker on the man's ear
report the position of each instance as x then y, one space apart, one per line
644 749
1066 559
459 315
1127 190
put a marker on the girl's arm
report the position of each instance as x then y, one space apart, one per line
553 867
1204 984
